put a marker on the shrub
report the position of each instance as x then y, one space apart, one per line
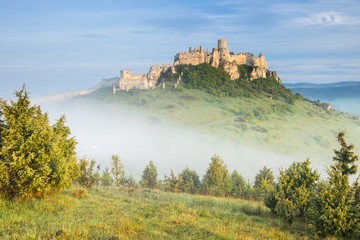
290 197
286 209
238 185
117 170
80 193
264 183
36 158
334 206
217 180
173 183
190 181
296 184
271 200
149 176
87 177
2 128
106 179
130 181
252 210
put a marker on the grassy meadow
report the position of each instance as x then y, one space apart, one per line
121 213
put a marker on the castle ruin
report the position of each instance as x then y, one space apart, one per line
220 56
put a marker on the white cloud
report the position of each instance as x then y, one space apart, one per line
327 19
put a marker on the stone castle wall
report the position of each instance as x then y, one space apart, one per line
220 56
129 81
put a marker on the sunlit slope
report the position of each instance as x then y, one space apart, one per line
300 126
114 213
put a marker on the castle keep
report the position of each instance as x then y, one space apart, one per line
220 56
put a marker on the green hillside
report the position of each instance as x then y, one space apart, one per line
262 112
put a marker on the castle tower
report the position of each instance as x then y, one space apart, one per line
223 50
222 44
125 74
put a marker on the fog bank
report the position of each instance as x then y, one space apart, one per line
102 130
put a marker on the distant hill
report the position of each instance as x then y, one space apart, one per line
326 91
344 96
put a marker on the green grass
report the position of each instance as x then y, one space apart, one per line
119 213
273 124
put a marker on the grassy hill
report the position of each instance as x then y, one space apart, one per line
118 213
258 120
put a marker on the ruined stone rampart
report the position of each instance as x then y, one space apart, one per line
129 81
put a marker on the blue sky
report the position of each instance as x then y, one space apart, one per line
61 45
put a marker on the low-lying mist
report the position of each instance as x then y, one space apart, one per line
102 130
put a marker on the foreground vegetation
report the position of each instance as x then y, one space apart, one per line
37 160
125 213
327 208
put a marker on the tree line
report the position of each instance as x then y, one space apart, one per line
38 159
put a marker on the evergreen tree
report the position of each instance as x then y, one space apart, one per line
332 207
117 170
238 188
130 181
296 184
291 196
2 129
190 181
106 179
264 182
355 209
149 176
217 180
36 158
173 183
87 177
345 158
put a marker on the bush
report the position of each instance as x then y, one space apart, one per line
36 158
130 181
117 170
80 193
173 183
290 197
296 184
286 209
106 179
87 177
149 176
217 180
335 205
190 181
264 183
238 186
271 200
